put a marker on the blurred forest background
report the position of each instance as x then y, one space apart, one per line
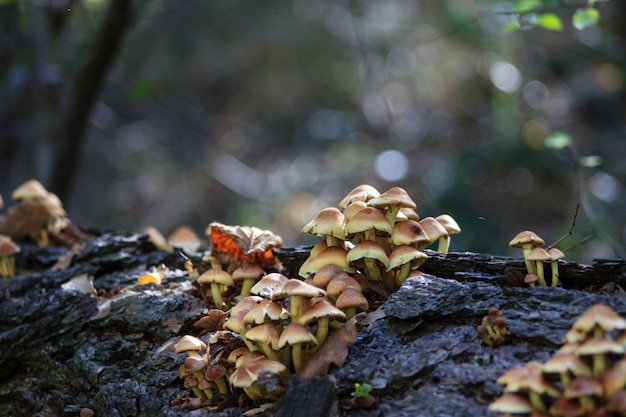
261 113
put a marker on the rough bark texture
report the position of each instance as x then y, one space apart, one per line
63 350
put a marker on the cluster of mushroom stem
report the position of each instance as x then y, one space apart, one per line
376 236
492 329
535 256
585 377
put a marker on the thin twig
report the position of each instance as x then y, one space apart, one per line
577 244
571 229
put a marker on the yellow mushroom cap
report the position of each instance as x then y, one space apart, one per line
599 315
395 196
409 232
448 223
511 403
265 333
353 208
369 250
329 221
269 284
295 333
189 343
29 189
363 192
215 276
295 287
332 255
404 254
432 228
367 219
321 309
539 254
351 298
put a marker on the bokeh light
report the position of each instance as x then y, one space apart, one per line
391 165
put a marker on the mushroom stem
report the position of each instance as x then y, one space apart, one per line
530 267
7 266
565 379
350 312
296 307
372 270
537 402
216 293
247 284
333 241
392 212
599 364
444 244
322 329
540 273
554 265
221 385
296 357
269 352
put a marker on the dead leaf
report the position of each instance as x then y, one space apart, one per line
334 350
243 242
212 322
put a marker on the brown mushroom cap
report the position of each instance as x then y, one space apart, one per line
406 254
295 333
322 308
539 254
295 287
326 273
351 298
601 316
247 271
555 254
614 378
265 334
363 192
341 283
432 228
7 246
567 363
369 250
583 386
352 209
564 407
409 232
332 255
185 238
599 345
526 237
266 309
270 283
448 223
531 279
329 221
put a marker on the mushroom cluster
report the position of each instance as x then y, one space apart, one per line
586 376
535 256
492 328
375 237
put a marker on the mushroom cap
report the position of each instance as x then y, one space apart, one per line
599 345
564 407
319 248
555 254
265 333
352 209
583 386
295 333
185 238
395 196
341 283
7 246
406 254
332 255
29 189
369 250
157 238
525 237
451 226
329 221
432 228
567 362
363 192
193 364
321 309
531 279
410 213
351 298
188 343
409 232
599 315
250 367
326 273
514 375
538 254
295 287
367 219
53 204
269 284
614 378
266 309
236 353
246 303
216 276
234 322
247 271
511 403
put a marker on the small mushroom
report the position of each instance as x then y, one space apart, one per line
330 224
600 349
296 335
539 255
249 274
321 312
266 336
215 278
297 291
370 258
404 259
433 229
392 199
368 224
350 301
566 365
598 320
555 255
451 227
511 403
184 238
526 241
363 192
8 249
270 283
586 390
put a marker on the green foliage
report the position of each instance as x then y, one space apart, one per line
558 140
583 18
550 21
362 390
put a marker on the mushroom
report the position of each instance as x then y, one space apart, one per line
297 291
341 283
404 259
409 232
31 189
538 255
368 224
216 373
330 224
157 239
392 199
266 336
249 273
326 274
296 335
352 209
433 229
321 312
250 367
350 300
190 345
531 279
184 238
584 389
235 323
216 277
564 407
8 249
191 382
617 403
363 192
614 378
511 403
370 258
333 255
195 366
527 240
555 255
451 227
566 365
600 349
270 283
598 320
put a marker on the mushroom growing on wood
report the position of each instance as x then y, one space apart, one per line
451 227
216 278
363 192
249 274
526 241
370 258
538 255
403 260
297 336
392 199
433 229
8 249
329 224
555 256
321 312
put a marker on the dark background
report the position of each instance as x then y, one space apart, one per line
263 112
